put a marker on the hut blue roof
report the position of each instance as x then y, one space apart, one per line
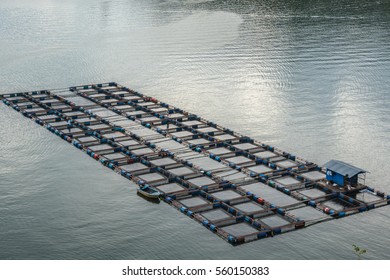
343 168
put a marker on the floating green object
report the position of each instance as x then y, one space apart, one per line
359 252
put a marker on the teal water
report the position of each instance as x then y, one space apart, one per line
309 77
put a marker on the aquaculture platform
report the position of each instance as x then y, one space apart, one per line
236 187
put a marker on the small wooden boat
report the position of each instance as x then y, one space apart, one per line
148 192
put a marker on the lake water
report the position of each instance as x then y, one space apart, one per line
309 77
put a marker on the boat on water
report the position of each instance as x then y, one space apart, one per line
149 192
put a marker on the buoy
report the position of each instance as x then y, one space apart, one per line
277 231
362 209
260 200
232 239
312 203
281 211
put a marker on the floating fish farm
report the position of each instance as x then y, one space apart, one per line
236 187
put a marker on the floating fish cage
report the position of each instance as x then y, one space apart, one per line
236 187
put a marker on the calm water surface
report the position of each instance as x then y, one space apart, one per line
310 77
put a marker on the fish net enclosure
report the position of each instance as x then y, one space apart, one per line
236 187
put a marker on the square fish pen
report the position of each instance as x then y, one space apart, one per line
269 196
183 172
220 153
218 217
135 168
172 189
289 182
314 176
